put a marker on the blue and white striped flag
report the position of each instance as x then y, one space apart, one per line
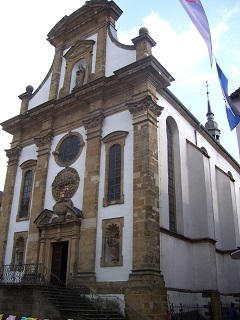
198 16
233 114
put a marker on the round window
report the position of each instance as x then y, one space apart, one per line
68 149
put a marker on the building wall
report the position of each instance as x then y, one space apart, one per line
196 256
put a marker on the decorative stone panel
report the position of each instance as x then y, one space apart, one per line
112 242
19 247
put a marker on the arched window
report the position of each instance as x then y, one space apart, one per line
114 177
171 180
26 194
114 167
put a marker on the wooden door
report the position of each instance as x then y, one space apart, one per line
59 263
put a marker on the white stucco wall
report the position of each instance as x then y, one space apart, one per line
43 91
54 169
42 95
27 153
120 121
117 57
196 265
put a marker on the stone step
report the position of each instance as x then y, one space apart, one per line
73 305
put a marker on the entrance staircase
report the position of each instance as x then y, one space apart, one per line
78 304
72 303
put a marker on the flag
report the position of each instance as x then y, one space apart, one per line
198 16
233 114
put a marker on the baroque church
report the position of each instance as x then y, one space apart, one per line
112 183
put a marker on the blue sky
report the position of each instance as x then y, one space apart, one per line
26 56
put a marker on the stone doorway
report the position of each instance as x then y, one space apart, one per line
59 262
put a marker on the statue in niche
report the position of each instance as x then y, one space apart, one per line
19 251
113 245
80 75
19 255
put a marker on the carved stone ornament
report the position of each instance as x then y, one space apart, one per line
43 140
13 153
94 122
65 185
48 217
80 75
113 238
145 104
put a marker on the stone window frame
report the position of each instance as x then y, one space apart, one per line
113 138
107 225
178 192
29 165
56 151
18 238
171 185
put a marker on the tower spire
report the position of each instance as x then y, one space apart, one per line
211 125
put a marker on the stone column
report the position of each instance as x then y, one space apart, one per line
56 73
146 292
43 142
86 268
13 155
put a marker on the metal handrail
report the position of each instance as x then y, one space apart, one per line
39 275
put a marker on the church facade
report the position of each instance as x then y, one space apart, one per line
113 183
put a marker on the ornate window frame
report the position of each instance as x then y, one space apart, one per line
29 165
56 151
19 248
116 137
112 239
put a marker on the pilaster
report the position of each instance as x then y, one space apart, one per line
43 142
146 292
86 268
13 156
101 51
146 252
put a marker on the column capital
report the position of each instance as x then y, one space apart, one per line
93 124
13 153
43 140
145 106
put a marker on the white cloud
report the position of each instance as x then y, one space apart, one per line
179 52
